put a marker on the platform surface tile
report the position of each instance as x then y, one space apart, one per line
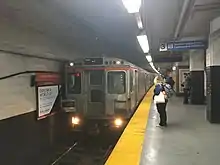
188 140
129 147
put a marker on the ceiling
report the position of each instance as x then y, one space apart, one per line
96 27
103 27
201 13
162 19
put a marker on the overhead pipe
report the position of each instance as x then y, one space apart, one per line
207 7
186 6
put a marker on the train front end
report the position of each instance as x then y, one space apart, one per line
96 94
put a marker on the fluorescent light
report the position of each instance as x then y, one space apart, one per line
132 6
140 25
143 41
153 67
149 58
174 68
139 21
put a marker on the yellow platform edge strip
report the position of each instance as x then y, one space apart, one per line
129 147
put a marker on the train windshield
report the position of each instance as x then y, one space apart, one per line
116 82
74 83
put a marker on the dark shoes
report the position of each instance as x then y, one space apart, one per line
163 125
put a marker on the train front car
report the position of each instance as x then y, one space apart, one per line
103 92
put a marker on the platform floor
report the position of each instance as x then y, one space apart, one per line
129 147
188 140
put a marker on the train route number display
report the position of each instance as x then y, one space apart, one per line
47 96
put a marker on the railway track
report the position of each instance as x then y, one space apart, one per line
78 154
92 151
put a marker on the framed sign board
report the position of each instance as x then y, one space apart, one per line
182 75
47 96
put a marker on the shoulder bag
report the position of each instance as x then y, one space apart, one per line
159 98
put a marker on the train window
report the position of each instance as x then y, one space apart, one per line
74 83
131 81
116 82
96 77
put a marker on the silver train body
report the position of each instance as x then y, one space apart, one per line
103 90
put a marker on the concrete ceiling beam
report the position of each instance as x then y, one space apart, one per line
207 7
184 15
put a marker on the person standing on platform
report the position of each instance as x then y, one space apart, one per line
169 80
160 98
186 89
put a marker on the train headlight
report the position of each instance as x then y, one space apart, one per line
118 122
118 62
75 120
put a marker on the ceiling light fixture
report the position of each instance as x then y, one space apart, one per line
143 41
132 6
149 58
174 68
153 67
139 21
118 62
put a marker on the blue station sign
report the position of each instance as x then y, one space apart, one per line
183 45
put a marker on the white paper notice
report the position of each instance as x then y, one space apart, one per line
46 98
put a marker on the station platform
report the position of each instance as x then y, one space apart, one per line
188 139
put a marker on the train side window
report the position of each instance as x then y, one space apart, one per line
74 83
96 77
131 81
116 82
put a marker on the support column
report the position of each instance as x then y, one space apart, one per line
213 73
197 76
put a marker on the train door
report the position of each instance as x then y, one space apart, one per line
116 93
145 82
136 86
74 90
96 93
132 90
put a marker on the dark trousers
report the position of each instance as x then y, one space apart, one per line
161 108
186 95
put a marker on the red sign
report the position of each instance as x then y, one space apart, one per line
48 78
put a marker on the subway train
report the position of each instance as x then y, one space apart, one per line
103 92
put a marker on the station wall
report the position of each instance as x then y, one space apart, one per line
23 137
17 96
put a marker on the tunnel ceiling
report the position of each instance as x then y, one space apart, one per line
103 27
93 26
